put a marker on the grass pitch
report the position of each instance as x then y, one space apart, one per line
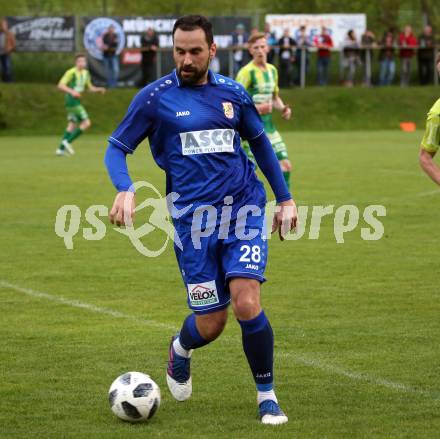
357 324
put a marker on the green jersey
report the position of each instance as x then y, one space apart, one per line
431 139
78 80
262 85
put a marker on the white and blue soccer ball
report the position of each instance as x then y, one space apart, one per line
134 397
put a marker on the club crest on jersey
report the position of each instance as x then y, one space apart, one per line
228 109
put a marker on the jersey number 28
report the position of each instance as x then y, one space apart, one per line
250 253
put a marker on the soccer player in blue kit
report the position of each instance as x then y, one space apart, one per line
194 119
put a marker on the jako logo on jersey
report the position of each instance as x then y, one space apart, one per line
182 113
203 294
208 141
228 110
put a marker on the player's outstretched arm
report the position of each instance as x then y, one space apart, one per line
426 159
122 212
94 89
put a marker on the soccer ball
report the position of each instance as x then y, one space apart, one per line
134 397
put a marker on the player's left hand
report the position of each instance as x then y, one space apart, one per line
287 112
285 219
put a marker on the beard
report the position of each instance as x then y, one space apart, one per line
197 74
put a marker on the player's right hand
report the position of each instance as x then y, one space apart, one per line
75 94
122 212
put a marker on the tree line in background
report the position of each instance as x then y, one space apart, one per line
381 14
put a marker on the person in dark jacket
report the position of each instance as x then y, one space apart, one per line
149 46
425 56
287 49
110 42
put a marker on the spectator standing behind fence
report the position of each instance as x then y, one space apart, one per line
368 41
287 48
271 42
7 45
351 58
425 56
407 43
302 50
149 46
324 43
387 57
110 43
239 40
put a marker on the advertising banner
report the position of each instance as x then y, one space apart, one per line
130 30
43 34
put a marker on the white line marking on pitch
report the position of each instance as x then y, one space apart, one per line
335 370
358 376
428 193
87 306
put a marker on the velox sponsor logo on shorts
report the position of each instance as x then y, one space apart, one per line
204 293
207 141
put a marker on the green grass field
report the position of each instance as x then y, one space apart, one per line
357 324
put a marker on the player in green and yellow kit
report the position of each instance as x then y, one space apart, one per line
261 81
73 83
431 140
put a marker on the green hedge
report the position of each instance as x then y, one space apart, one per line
41 67
38 108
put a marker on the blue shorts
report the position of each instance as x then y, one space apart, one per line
207 263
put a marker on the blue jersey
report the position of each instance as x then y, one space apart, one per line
194 134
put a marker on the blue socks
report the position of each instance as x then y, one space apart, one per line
190 337
257 338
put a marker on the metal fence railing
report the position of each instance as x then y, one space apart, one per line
304 69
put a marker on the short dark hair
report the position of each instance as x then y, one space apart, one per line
192 22
80 55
